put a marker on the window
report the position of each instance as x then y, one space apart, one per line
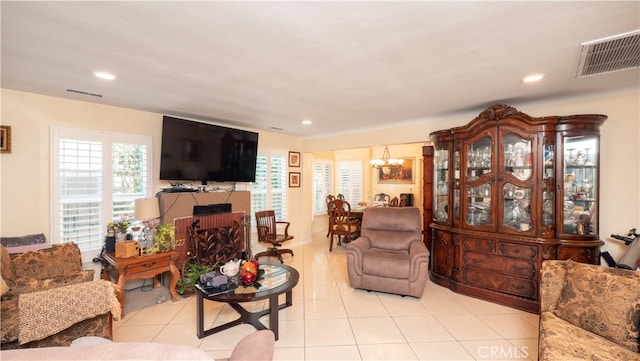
269 191
350 180
322 185
96 177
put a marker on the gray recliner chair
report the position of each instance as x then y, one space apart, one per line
389 255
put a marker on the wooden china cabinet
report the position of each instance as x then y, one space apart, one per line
510 191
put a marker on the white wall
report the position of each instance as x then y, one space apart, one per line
620 152
25 181
24 174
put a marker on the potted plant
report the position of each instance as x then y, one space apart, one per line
164 239
190 276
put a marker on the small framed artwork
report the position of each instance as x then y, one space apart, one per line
5 139
294 179
294 159
397 175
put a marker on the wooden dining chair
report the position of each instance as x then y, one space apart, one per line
329 198
268 233
342 224
395 202
382 197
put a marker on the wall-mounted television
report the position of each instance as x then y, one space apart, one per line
196 151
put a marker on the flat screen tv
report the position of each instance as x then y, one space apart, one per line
195 151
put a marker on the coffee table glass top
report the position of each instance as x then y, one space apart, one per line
271 278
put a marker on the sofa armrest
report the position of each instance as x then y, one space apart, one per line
552 279
418 254
356 250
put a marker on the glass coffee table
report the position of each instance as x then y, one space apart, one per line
275 280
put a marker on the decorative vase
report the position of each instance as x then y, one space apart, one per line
120 236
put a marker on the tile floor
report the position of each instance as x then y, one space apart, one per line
331 321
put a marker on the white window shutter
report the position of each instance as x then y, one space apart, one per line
350 180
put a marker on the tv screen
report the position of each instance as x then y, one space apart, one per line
195 151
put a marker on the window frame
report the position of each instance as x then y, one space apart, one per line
350 195
319 205
106 140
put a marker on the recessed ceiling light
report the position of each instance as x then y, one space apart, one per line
533 78
307 122
104 75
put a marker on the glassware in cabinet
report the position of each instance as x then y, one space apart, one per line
442 181
580 170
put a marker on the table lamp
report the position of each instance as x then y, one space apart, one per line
147 210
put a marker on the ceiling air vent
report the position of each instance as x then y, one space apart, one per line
610 54
81 92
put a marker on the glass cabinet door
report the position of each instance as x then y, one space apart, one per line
517 207
548 187
580 169
517 165
479 158
456 185
517 156
479 187
441 189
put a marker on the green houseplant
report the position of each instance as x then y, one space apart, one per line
190 276
164 239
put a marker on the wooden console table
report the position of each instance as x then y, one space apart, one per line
137 268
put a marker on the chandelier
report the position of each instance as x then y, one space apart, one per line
386 161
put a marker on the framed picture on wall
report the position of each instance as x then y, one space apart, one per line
397 175
5 139
294 159
294 179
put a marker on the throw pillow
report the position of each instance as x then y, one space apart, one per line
604 301
8 272
4 288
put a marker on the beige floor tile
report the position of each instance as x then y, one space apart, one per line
528 347
315 309
145 333
368 307
289 354
509 325
494 350
392 352
402 306
375 330
188 314
466 327
329 320
441 351
179 334
290 334
328 353
443 305
227 339
334 332
422 329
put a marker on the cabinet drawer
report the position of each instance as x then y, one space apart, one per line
505 266
579 254
148 266
518 250
479 245
497 282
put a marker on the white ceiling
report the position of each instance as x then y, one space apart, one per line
346 66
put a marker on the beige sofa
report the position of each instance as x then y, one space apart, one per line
588 312
389 255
